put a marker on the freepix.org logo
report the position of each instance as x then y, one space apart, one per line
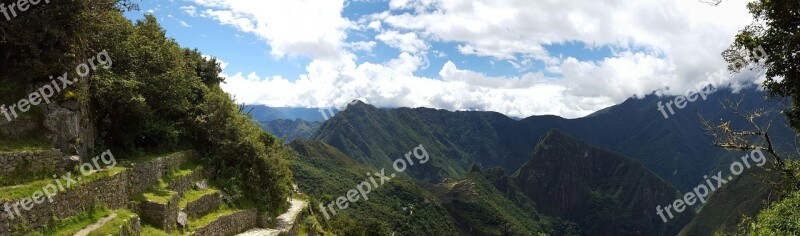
362 190
56 86
702 191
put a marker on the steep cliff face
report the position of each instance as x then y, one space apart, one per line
604 192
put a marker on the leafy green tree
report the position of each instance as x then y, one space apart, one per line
156 96
772 42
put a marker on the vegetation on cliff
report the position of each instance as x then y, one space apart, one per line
155 97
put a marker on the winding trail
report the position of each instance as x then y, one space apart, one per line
96 225
285 221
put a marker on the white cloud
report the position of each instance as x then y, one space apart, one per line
312 28
657 44
408 42
183 23
365 46
190 10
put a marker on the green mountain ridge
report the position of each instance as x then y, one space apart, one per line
677 149
291 129
490 202
604 192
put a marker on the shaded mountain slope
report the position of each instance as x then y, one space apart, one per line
291 129
676 149
744 196
325 173
480 209
468 206
604 192
377 137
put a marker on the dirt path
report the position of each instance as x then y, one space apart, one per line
97 225
285 221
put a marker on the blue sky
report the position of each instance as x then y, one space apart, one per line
516 57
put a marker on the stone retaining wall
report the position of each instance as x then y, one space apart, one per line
111 192
161 215
182 184
132 228
231 224
203 205
16 164
146 175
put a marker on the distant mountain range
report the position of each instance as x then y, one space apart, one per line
291 129
628 158
263 113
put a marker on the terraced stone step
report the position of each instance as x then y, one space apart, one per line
150 171
26 165
160 208
197 203
183 178
30 206
164 204
225 222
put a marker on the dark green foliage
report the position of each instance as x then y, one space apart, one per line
781 218
155 97
50 39
153 87
247 161
775 31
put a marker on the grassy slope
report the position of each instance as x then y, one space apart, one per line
471 205
324 173
479 207
744 196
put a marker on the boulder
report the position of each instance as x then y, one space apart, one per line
64 127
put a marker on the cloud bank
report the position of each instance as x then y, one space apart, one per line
663 46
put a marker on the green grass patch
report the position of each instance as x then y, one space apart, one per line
193 195
113 227
28 189
157 195
72 225
140 157
151 231
181 171
24 144
207 219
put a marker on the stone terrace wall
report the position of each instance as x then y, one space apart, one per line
184 183
30 162
161 215
111 192
230 225
203 205
131 228
146 175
